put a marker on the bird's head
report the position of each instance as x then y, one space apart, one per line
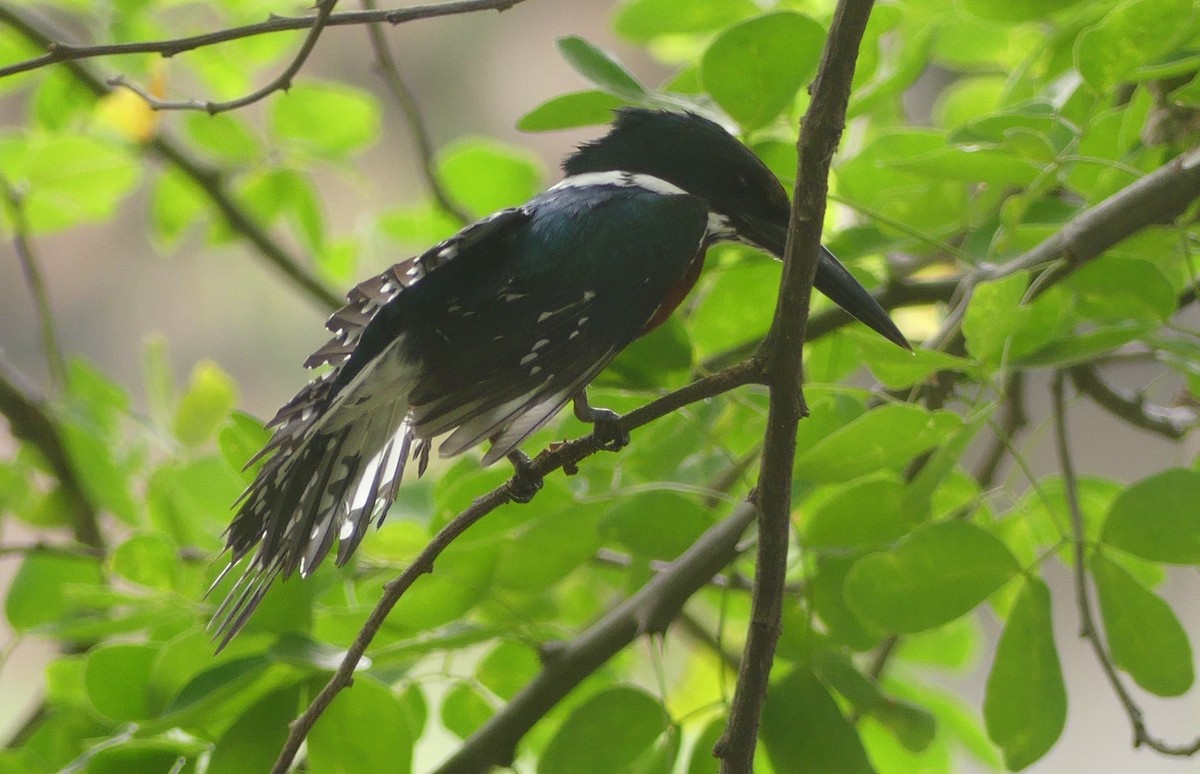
702 158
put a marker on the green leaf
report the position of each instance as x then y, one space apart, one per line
209 398
176 204
873 179
1083 347
117 679
604 734
735 306
550 549
660 524
991 316
601 68
1109 50
660 359
914 727
754 69
1115 288
644 20
325 119
973 164
827 589
66 180
484 175
508 668
938 573
148 560
897 369
1015 10
1025 706
865 513
224 137
464 710
1157 518
567 111
363 730
1144 636
38 594
252 743
803 729
882 439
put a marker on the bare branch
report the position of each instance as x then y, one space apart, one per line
1087 623
57 51
282 82
32 423
1173 423
386 65
1159 197
819 136
37 285
208 179
648 611
564 455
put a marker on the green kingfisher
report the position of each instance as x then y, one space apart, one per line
489 334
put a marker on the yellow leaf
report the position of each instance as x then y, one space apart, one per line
128 114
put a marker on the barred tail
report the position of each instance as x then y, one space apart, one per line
334 465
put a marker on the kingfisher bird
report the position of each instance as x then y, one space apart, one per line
487 335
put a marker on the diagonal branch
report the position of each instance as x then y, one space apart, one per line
282 82
565 455
37 285
648 611
32 423
1087 623
208 179
819 136
1132 407
57 52
1158 197
386 65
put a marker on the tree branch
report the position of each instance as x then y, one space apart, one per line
1159 197
37 285
385 63
1173 423
650 610
564 455
31 422
282 82
1087 624
57 52
208 179
819 135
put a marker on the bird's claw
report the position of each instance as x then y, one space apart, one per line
607 430
525 483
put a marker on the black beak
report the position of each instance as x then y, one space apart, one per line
835 282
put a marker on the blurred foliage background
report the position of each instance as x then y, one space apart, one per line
933 624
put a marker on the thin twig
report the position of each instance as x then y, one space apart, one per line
820 132
1158 197
386 65
57 51
1087 623
40 547
32 422
282 82
1173 423
649 611
208 179
563 455
37 285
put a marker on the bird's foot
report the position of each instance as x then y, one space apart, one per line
607 430
606 424
525 483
